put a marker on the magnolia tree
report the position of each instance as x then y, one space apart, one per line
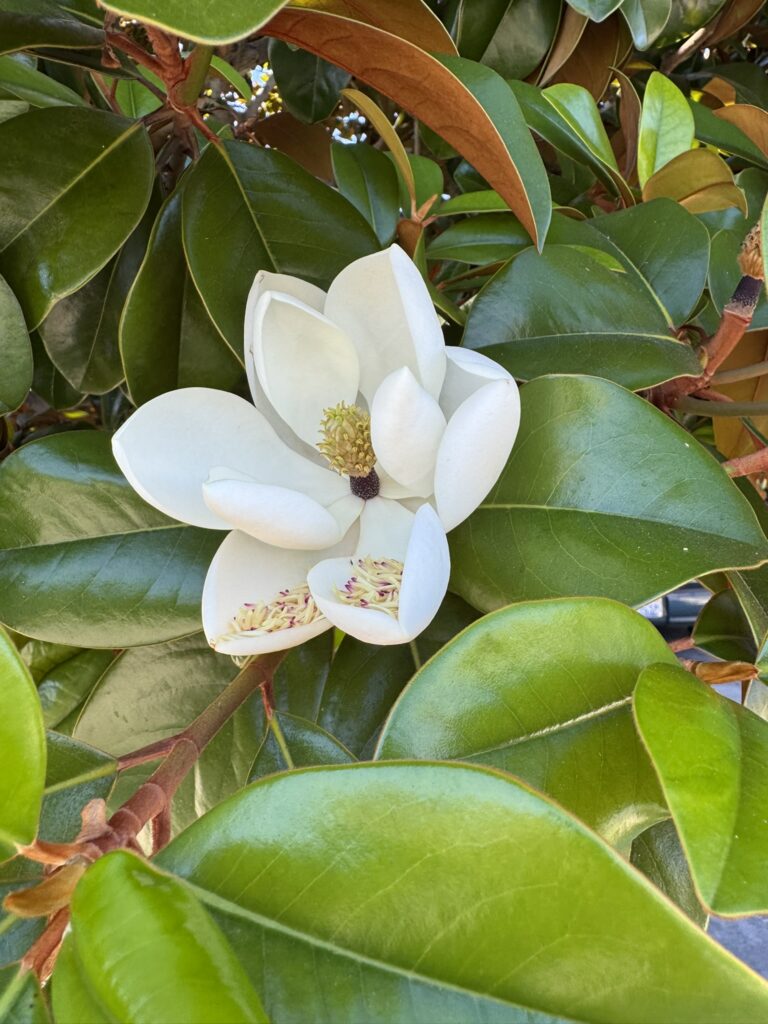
364 367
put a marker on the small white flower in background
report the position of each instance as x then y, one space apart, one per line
368 439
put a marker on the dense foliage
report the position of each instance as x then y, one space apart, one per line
527 812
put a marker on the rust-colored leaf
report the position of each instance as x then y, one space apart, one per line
699 180
731 436
570 31
630 110
719 92
307 144
735 15
408 19
53 893
603 47
430 89
753 121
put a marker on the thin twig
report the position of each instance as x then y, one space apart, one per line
698 405
746 465
741 373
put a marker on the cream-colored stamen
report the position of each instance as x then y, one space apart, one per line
375 584
294 607
346 440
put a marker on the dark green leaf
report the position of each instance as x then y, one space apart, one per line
19 81
47 382
17 363
83 559
646 19
21 1001
263 206
748 80
143 948
724 274
442 892
135 99
716 132
596 10
307 745
523 36
309 87
64 676
712 759
723 630
587 504
368 179
486 238
565 311
28 23
659 854
542 690
75 184
76 774
167 340
300 679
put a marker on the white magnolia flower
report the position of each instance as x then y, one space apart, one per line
368 439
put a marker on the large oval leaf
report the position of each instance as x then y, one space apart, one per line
601 495
261 205
142 948
167 339
28 23
17 363
467 104
543 690
445 892
75 184
22 751
83 559
712 759
666 126
566 311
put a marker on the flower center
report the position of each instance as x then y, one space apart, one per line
376 584
295 607
346 444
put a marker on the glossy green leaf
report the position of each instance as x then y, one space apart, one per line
368 179
75 184
80 333
309 86
542 690
609 325
76 774
31 23
723 630
419 892
485 238
22 751
64 676
301 677
307 745
712 759
19 81
21 1001
578 109
666 126
203 23
167 340
485 201
669 247
243 88
522 37
149 693
47 382
589 505
365 680
728 137
595 10
658 853
474 25
17 362
686 17
135 99
428 183
83 559
143 948
258 202
646 19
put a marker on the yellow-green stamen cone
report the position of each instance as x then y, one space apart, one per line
346 440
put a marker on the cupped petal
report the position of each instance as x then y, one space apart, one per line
382 304
474 449
406 427
304 362
426 571
168 448
275 515
465 372
385 529
245 571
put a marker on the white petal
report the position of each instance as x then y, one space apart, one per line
389 530
275 515
169 446
426 572
304 362
246 571
466 371
406 427
382 304
474 450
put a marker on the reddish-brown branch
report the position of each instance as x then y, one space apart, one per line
715 672
685 643
746 465
41 956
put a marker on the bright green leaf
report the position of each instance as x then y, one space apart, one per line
712 759
485 238
368 179
204 23
666 126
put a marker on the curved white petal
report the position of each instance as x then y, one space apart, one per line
389 530
465 372
474 450
406 427
382 304
169 447
275 515
245 570
425 574
304 362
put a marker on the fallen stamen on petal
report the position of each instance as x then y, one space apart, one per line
294 607
376 584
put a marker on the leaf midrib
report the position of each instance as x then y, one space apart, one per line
98 536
